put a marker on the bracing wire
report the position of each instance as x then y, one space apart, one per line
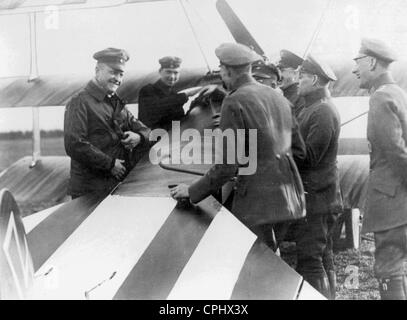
358 116
318 28
195 35
207 26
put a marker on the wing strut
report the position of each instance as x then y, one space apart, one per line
33 75
33 46
195 35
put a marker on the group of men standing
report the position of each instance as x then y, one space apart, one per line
297 144
260 200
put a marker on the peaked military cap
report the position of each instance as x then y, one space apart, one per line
289 59
116 58
170 62
236 54
378 49
314 66
265 70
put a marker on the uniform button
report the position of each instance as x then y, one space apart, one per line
235 188
278 157
287 154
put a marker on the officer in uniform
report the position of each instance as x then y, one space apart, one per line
267 74
101 136
159 104
288 65
320 126
273 192
386 206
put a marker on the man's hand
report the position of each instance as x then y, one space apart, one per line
207 90
180 192
216 120
192 91
118 170
130 140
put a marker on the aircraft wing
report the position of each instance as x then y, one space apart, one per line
137 243
10 7
133 247
56 90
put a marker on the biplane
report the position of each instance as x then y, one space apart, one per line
135 242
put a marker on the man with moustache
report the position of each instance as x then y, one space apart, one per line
267 74
273 193
386 205
159 104
320 127
288 65
101 136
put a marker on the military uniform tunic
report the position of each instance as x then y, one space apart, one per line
297 102
93 126
274 192
386 205
319 126
159 105
319 123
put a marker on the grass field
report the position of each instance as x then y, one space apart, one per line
12 150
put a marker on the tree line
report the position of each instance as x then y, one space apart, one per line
15 135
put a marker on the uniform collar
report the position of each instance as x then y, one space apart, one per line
316 95
96 91
242 80
162 86
291 89
384 78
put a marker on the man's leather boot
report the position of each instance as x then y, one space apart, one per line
393 288
332 283
320 283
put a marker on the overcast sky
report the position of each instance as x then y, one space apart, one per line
148 31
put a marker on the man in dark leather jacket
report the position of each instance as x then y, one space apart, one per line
159 104
319 123
101 136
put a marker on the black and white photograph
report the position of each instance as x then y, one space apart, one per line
203 152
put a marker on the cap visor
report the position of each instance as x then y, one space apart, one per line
116 66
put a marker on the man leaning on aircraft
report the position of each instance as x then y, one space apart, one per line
101 136
386 207
274 192
159 104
